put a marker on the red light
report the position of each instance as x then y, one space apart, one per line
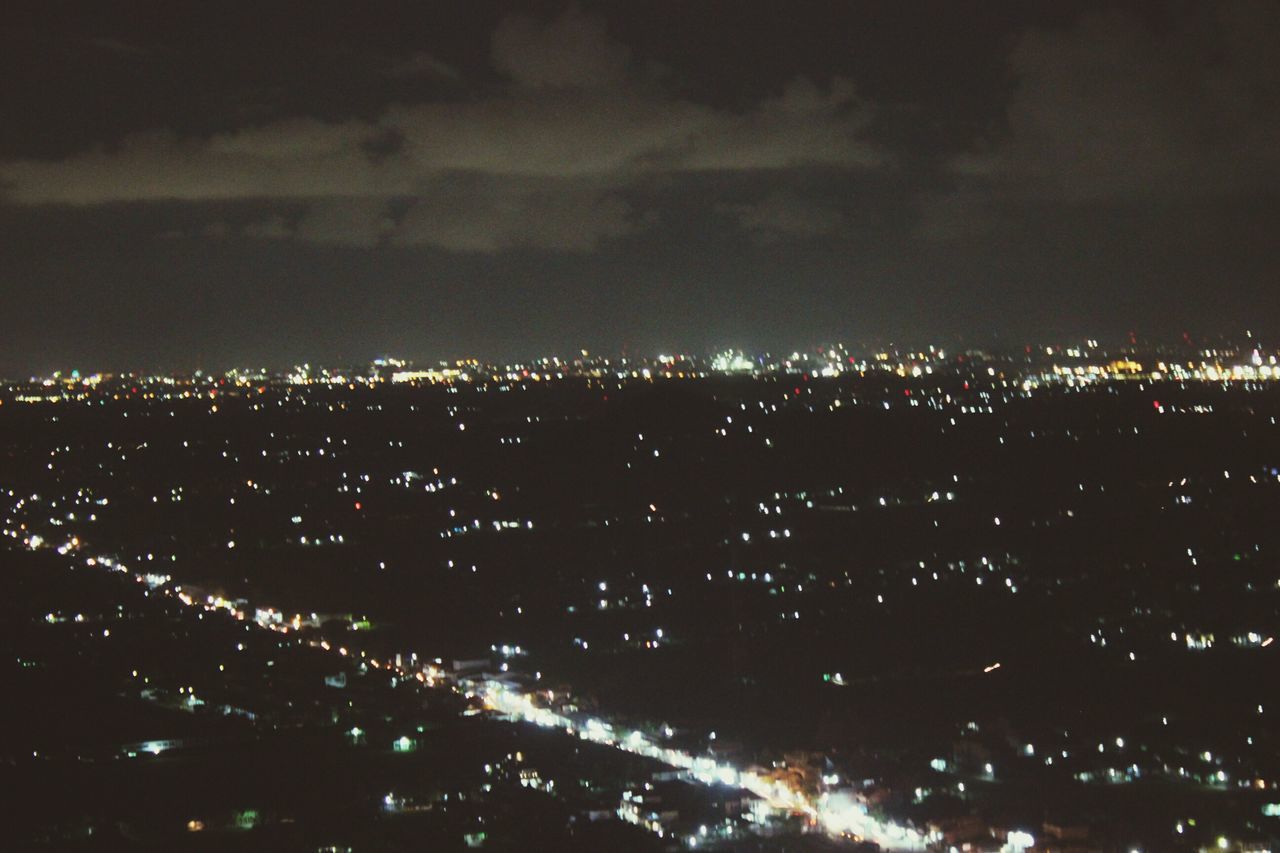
797 392
357 505
1155 404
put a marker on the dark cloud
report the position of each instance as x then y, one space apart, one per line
1113 108
949 218
423 64
487 215
274 227
572 52
344 223
116 46
787 216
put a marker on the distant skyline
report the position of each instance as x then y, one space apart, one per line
184 185
1242 349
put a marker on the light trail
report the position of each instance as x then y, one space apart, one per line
840 815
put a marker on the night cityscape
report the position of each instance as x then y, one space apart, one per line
681 427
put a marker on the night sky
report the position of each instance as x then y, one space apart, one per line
207 185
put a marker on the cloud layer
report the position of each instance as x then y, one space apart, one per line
546 161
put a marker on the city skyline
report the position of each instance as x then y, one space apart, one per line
1243 348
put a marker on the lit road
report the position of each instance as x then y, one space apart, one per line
839 814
